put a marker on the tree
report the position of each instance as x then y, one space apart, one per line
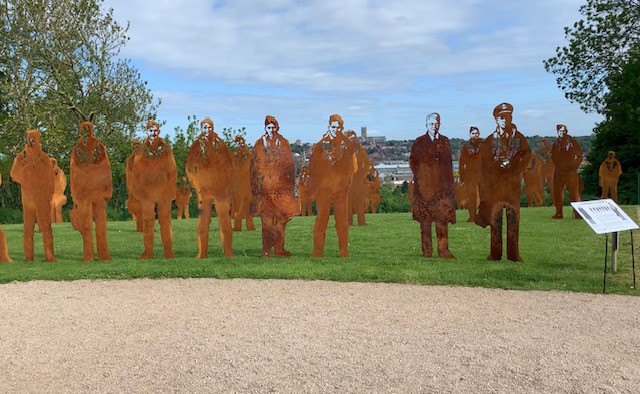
182 142
620 131
229 136
598 47
393 199
59 64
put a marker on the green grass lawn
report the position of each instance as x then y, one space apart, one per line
559 255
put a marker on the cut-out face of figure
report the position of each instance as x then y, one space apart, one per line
474 133
206 128
433 123
562 131
334 127
501 121
611 155
153 131
352 136
503 115
270 129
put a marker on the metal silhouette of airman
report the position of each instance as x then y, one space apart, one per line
505 155
210 169
332 165
609 173
566 154
374 187
241 185
183 197
545 166
359 192
91 188
153 178
470 171
306 208
531 178
58 200
460 195
33 170
433 202
273 183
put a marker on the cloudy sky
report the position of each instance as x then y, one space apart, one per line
379 63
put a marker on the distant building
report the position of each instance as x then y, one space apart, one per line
396 172
376 140
363 133
373 140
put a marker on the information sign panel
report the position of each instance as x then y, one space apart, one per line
604 216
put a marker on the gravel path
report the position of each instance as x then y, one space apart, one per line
207 335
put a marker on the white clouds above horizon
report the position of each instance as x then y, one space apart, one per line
366 58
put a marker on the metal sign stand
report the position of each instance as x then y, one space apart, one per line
604 217
606 252
633 260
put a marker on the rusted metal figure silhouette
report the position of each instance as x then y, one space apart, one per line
410 193
4 251
332 165
58 199
505 155
609 172
303 192
470 171
33 170
532 183
460 195
91 188
359 192
241 185
183 196
566 154
432 166
273 182
209 168
374 187
153 180
545 165
133 204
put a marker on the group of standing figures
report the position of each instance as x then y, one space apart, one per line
340 177
491 173
151 178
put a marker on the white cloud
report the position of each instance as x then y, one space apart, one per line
388 62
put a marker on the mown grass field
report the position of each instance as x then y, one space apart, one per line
560 255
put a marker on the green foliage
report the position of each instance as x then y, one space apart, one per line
394 199
619 132
60 64
182 142
598 47
229 136
559 255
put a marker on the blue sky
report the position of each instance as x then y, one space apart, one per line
380 64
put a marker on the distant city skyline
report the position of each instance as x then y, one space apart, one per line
383 65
